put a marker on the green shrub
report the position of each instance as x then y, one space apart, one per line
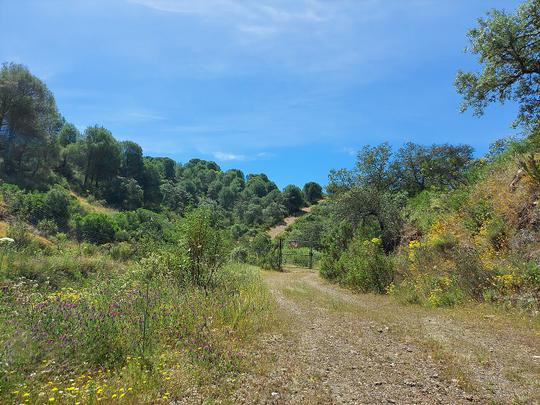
47 227
57 202
496 233
97 228
335 243
203 247
445 242
239 254
366 267
259 248
477 214
423 209
20 233
122 251
531 274
471 275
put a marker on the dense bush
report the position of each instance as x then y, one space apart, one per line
96 228
293 198
312 192
204 249
365 266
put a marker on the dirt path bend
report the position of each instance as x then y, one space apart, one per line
335 346
280 229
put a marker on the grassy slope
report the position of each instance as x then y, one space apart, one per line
53 349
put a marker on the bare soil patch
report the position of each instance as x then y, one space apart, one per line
280 229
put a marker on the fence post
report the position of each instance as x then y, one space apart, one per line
280 256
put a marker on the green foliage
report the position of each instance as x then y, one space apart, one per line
261 245
47 227
96 228
57 204
312 192
103 155
239 254
472 276
507 46
424 208
417 168
477 213
18 231
379 213
204 247
365 266
124 193
68 134
132 164
28 118
293 198
335 243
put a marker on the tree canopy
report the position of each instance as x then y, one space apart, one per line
508 48
28 118
312 192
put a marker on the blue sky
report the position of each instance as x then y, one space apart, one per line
289 88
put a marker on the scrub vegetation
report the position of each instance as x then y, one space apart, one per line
127 278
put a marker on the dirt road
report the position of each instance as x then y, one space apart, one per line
334 346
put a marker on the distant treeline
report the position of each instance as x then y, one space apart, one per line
39 148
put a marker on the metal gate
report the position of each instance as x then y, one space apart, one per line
296 253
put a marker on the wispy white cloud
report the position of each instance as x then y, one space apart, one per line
265 10
308 36
227 157
263 19
131 117
349 150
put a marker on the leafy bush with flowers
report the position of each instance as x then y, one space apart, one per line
364 266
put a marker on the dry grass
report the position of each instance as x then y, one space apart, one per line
93 207
278 230
3 229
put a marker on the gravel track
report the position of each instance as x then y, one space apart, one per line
336 346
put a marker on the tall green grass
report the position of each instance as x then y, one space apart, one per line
78 328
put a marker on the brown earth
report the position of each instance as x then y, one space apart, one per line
280 229
336 346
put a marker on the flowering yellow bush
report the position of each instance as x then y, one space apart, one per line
413 245
435 297
391 289
506 282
